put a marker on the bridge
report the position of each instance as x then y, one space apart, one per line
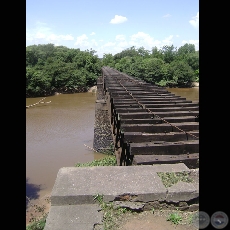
149 125
146 125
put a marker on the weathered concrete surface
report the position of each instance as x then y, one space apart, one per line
68 217
182 191
136 187
76 185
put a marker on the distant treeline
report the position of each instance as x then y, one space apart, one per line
51 69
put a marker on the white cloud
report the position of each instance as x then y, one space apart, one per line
120 37
118 19
137 40
110 44
94 42
43 34
83 42
123 44
167 16
39 35
168 40
120 43
195 21
54 37
143 39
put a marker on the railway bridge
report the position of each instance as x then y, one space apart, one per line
148 124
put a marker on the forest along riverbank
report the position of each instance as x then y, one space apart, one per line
55 136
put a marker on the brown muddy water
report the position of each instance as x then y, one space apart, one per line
56 134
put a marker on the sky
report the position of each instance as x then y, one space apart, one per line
108 27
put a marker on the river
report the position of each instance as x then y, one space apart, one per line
58 132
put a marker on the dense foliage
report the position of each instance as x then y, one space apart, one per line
51 69
164 67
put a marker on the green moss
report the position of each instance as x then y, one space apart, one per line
106 161
37 224
171 178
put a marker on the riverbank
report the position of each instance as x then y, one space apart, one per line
195 84
92 89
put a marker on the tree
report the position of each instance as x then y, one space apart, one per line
152 69
155 53
169 53
108 60
181 73
186 49
143 52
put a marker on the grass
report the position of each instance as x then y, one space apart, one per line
110 213
37 223
106 161
114 217
182 217
171 178
175 218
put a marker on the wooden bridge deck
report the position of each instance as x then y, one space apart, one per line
150 125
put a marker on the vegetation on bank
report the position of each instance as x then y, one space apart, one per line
51 69
111 214
37 224
171 178
106 161
114 216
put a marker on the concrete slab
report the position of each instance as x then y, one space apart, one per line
72 217
73 206
76 185
182 191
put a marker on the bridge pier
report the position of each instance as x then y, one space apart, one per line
102 129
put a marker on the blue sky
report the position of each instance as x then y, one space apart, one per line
108 26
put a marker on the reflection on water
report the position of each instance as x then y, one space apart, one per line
31 192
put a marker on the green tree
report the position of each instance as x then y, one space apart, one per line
181 73
108 60
155 53
152 69
186 49
193 60
169 53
